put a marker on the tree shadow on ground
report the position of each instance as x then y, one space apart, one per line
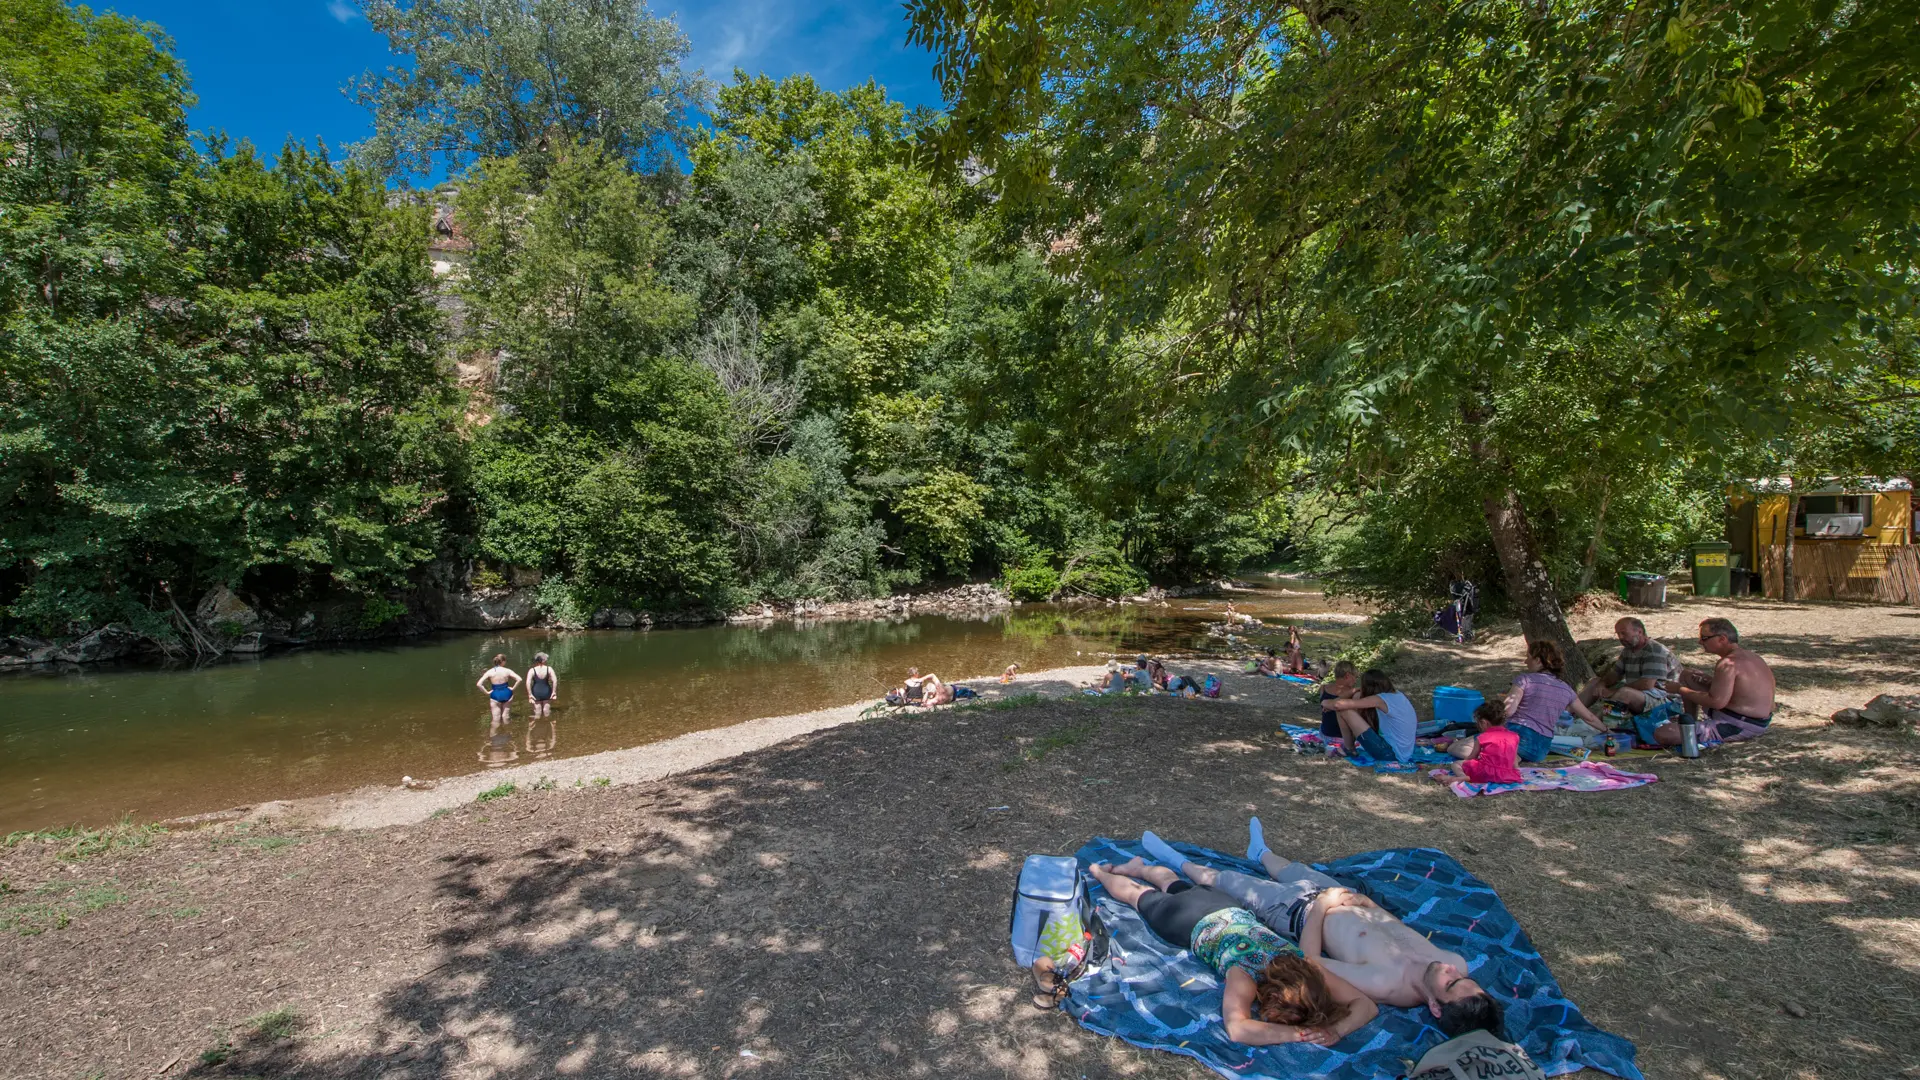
837 906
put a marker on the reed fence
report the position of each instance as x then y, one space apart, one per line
1829 570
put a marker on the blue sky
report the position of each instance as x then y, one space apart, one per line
267 69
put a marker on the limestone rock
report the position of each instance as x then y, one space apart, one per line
110 642
255 642
25 652
1886 711
225 614
451 600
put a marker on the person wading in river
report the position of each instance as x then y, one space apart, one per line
543 686
497 682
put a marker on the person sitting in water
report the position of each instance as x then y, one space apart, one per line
1534 705
543 686
1381 720
497 682
1340 686
1349 936
1737 695
1270 995
1644 665
1296 662
1494 758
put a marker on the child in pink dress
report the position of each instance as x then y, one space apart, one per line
1496 755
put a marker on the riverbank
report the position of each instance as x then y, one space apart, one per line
835 905
382 805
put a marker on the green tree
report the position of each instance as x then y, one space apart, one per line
505 78
1378 226
208 368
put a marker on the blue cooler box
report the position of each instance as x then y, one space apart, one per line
1455 705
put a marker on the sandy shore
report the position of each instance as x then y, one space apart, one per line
375 807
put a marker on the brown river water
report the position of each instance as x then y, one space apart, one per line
86 745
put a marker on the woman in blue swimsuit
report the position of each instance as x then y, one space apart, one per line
497 683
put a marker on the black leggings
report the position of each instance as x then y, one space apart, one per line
1174 913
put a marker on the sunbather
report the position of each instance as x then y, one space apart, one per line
1737 695
1270 995
1268 664
937 692
914 688
1363 944
1296 663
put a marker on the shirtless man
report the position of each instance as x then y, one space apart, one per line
1737 695
1644 665
1350 936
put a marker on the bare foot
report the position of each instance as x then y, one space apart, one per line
1133 867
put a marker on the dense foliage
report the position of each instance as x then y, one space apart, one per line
1525 259
208 368
1504 290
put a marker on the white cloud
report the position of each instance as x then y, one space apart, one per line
342 10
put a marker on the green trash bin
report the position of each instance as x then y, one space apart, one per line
1712 571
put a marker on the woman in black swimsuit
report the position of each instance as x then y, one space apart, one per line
543 685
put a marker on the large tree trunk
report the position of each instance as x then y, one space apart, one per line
1529 583
1593 549
1787 590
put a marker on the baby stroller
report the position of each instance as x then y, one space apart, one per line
1456 619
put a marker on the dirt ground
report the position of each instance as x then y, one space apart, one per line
836 905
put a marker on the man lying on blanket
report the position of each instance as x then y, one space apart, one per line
1349 936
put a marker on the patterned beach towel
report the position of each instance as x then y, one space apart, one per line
1588 776
1159 997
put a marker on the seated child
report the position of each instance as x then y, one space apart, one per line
1496 752
1340 686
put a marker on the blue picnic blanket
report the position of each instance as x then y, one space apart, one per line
1157 996
1424 757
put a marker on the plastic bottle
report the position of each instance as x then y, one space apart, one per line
1689 737
1613 746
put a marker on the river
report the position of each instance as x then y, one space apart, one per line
86 745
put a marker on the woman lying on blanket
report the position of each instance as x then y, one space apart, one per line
1271 993
1351 938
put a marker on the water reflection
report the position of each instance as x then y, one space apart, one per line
542 737
499 750
90 745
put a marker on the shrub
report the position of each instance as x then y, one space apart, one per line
1034 579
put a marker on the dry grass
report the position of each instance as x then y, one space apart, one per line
836 907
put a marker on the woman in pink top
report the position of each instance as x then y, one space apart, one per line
1535 703
1495 750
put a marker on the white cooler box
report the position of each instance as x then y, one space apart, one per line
1049 886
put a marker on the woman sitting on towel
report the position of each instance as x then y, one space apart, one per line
1271 994
1534 706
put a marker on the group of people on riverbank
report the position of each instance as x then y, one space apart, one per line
1301 958
1646 685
